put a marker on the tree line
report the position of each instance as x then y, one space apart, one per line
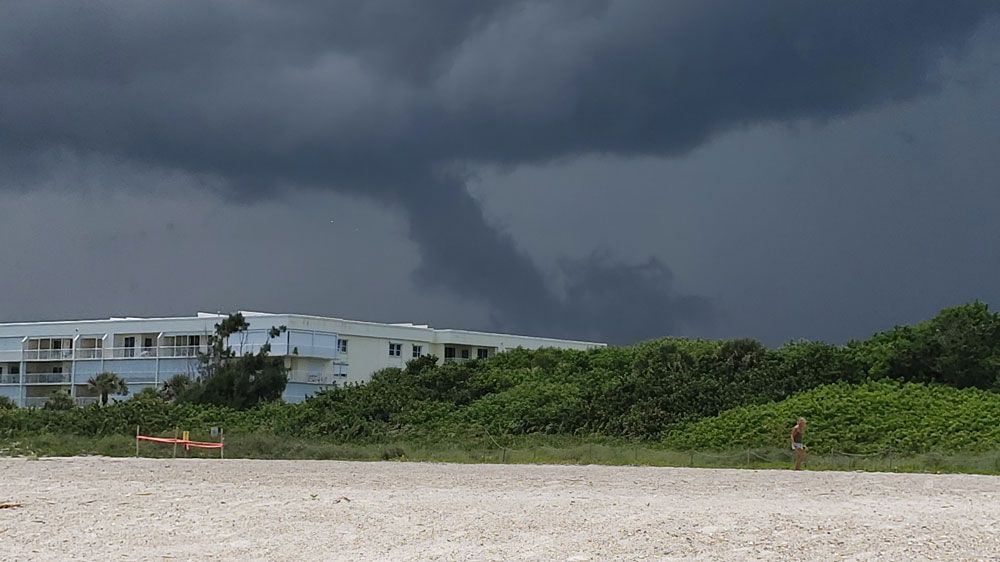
638 391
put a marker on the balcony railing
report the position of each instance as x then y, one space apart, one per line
86 400
280 348
315 378
10 379
138 378
89 353
182 350
35 401
132 352
47 378
457 359
163 351
47 354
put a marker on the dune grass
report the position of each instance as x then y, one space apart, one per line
566 450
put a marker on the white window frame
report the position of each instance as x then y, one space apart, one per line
418 351
342 346
395 349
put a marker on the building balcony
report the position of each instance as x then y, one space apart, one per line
135 378
35 401
182 351
10 379
132 352
314 378
47 378
47 354
89 353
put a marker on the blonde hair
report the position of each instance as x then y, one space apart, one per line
801 420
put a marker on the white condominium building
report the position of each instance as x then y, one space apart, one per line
38 358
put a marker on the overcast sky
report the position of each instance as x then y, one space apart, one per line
596 169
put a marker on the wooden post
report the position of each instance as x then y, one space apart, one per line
222 441
137 441
175 442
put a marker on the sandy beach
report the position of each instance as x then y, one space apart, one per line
145 509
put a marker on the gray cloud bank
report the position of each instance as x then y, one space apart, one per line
396 101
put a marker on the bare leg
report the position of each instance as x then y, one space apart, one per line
800 455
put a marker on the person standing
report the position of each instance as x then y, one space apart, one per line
798 432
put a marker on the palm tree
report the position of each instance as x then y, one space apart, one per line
107 383
175 386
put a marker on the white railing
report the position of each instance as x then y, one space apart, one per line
47 354
132 352
47 378
35 402
89 353
10 379
151 352
315 378
457 359
281 348
182 350
139 352
86 400
138 378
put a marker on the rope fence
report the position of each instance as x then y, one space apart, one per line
184 441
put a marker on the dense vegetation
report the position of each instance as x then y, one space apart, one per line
667 391
869 418
227 378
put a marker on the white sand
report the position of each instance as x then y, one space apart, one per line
143 509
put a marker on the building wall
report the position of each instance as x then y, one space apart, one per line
12 392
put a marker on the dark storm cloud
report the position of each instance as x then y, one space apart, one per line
396 99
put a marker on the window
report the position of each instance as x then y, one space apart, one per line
449 353
465 354
57 370
482 353
15 369
418 350
342 346
147 348
129 347
395 350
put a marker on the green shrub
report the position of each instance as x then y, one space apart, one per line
867 418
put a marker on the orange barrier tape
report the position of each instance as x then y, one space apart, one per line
203 444
157 439
188 443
